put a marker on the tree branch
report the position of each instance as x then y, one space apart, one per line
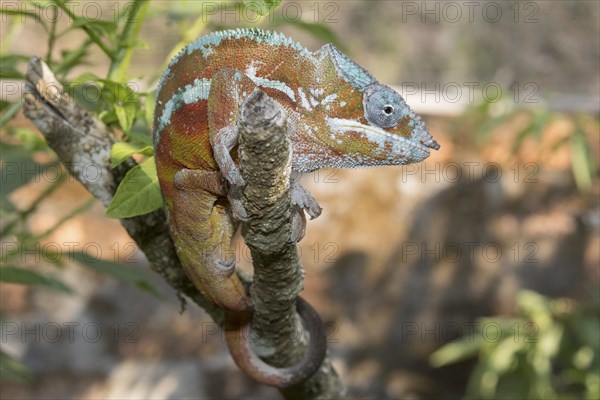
265 164
82 143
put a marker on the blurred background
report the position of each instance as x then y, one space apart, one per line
474 274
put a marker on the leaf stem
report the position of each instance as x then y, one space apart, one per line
22 215
51 36
126 43
95 38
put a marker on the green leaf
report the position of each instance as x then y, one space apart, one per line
587 331
121 151
140 137
582 162
117 270
29 139
583 358
504 354
13 370
4 105
118 102
262 7
108 117
86 78
25 15
124 101
29 277
138 193
119 92
9 112
17 168
9 66
99 26
91 32
126 116
536 307
456 351
87 89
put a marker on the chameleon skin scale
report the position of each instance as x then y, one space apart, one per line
338 116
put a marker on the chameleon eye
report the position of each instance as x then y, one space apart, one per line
383 107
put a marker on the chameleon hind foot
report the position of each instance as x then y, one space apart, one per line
238 337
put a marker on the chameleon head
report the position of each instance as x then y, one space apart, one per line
383 130
388 133
384 108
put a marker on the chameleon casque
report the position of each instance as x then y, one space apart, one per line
338 116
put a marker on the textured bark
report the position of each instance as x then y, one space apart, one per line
82 142
265 163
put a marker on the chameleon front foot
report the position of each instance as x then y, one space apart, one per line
238 337
303 199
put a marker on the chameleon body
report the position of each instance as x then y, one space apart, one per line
338 116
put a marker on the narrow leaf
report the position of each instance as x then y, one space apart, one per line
455 351
13 370
581 161
120 271
29 277
126 116
23 14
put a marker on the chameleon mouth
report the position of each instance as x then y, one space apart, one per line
432 144
418 146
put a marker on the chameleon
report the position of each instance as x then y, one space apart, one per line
339 116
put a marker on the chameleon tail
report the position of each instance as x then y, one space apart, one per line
202 229
237 335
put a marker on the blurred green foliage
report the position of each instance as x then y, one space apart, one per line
480 122
549 350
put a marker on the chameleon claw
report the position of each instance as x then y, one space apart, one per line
237 335
238 211
303 199
237 208
298 224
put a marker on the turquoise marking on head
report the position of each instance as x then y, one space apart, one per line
352 73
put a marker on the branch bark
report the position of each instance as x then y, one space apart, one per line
265 163
81 142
